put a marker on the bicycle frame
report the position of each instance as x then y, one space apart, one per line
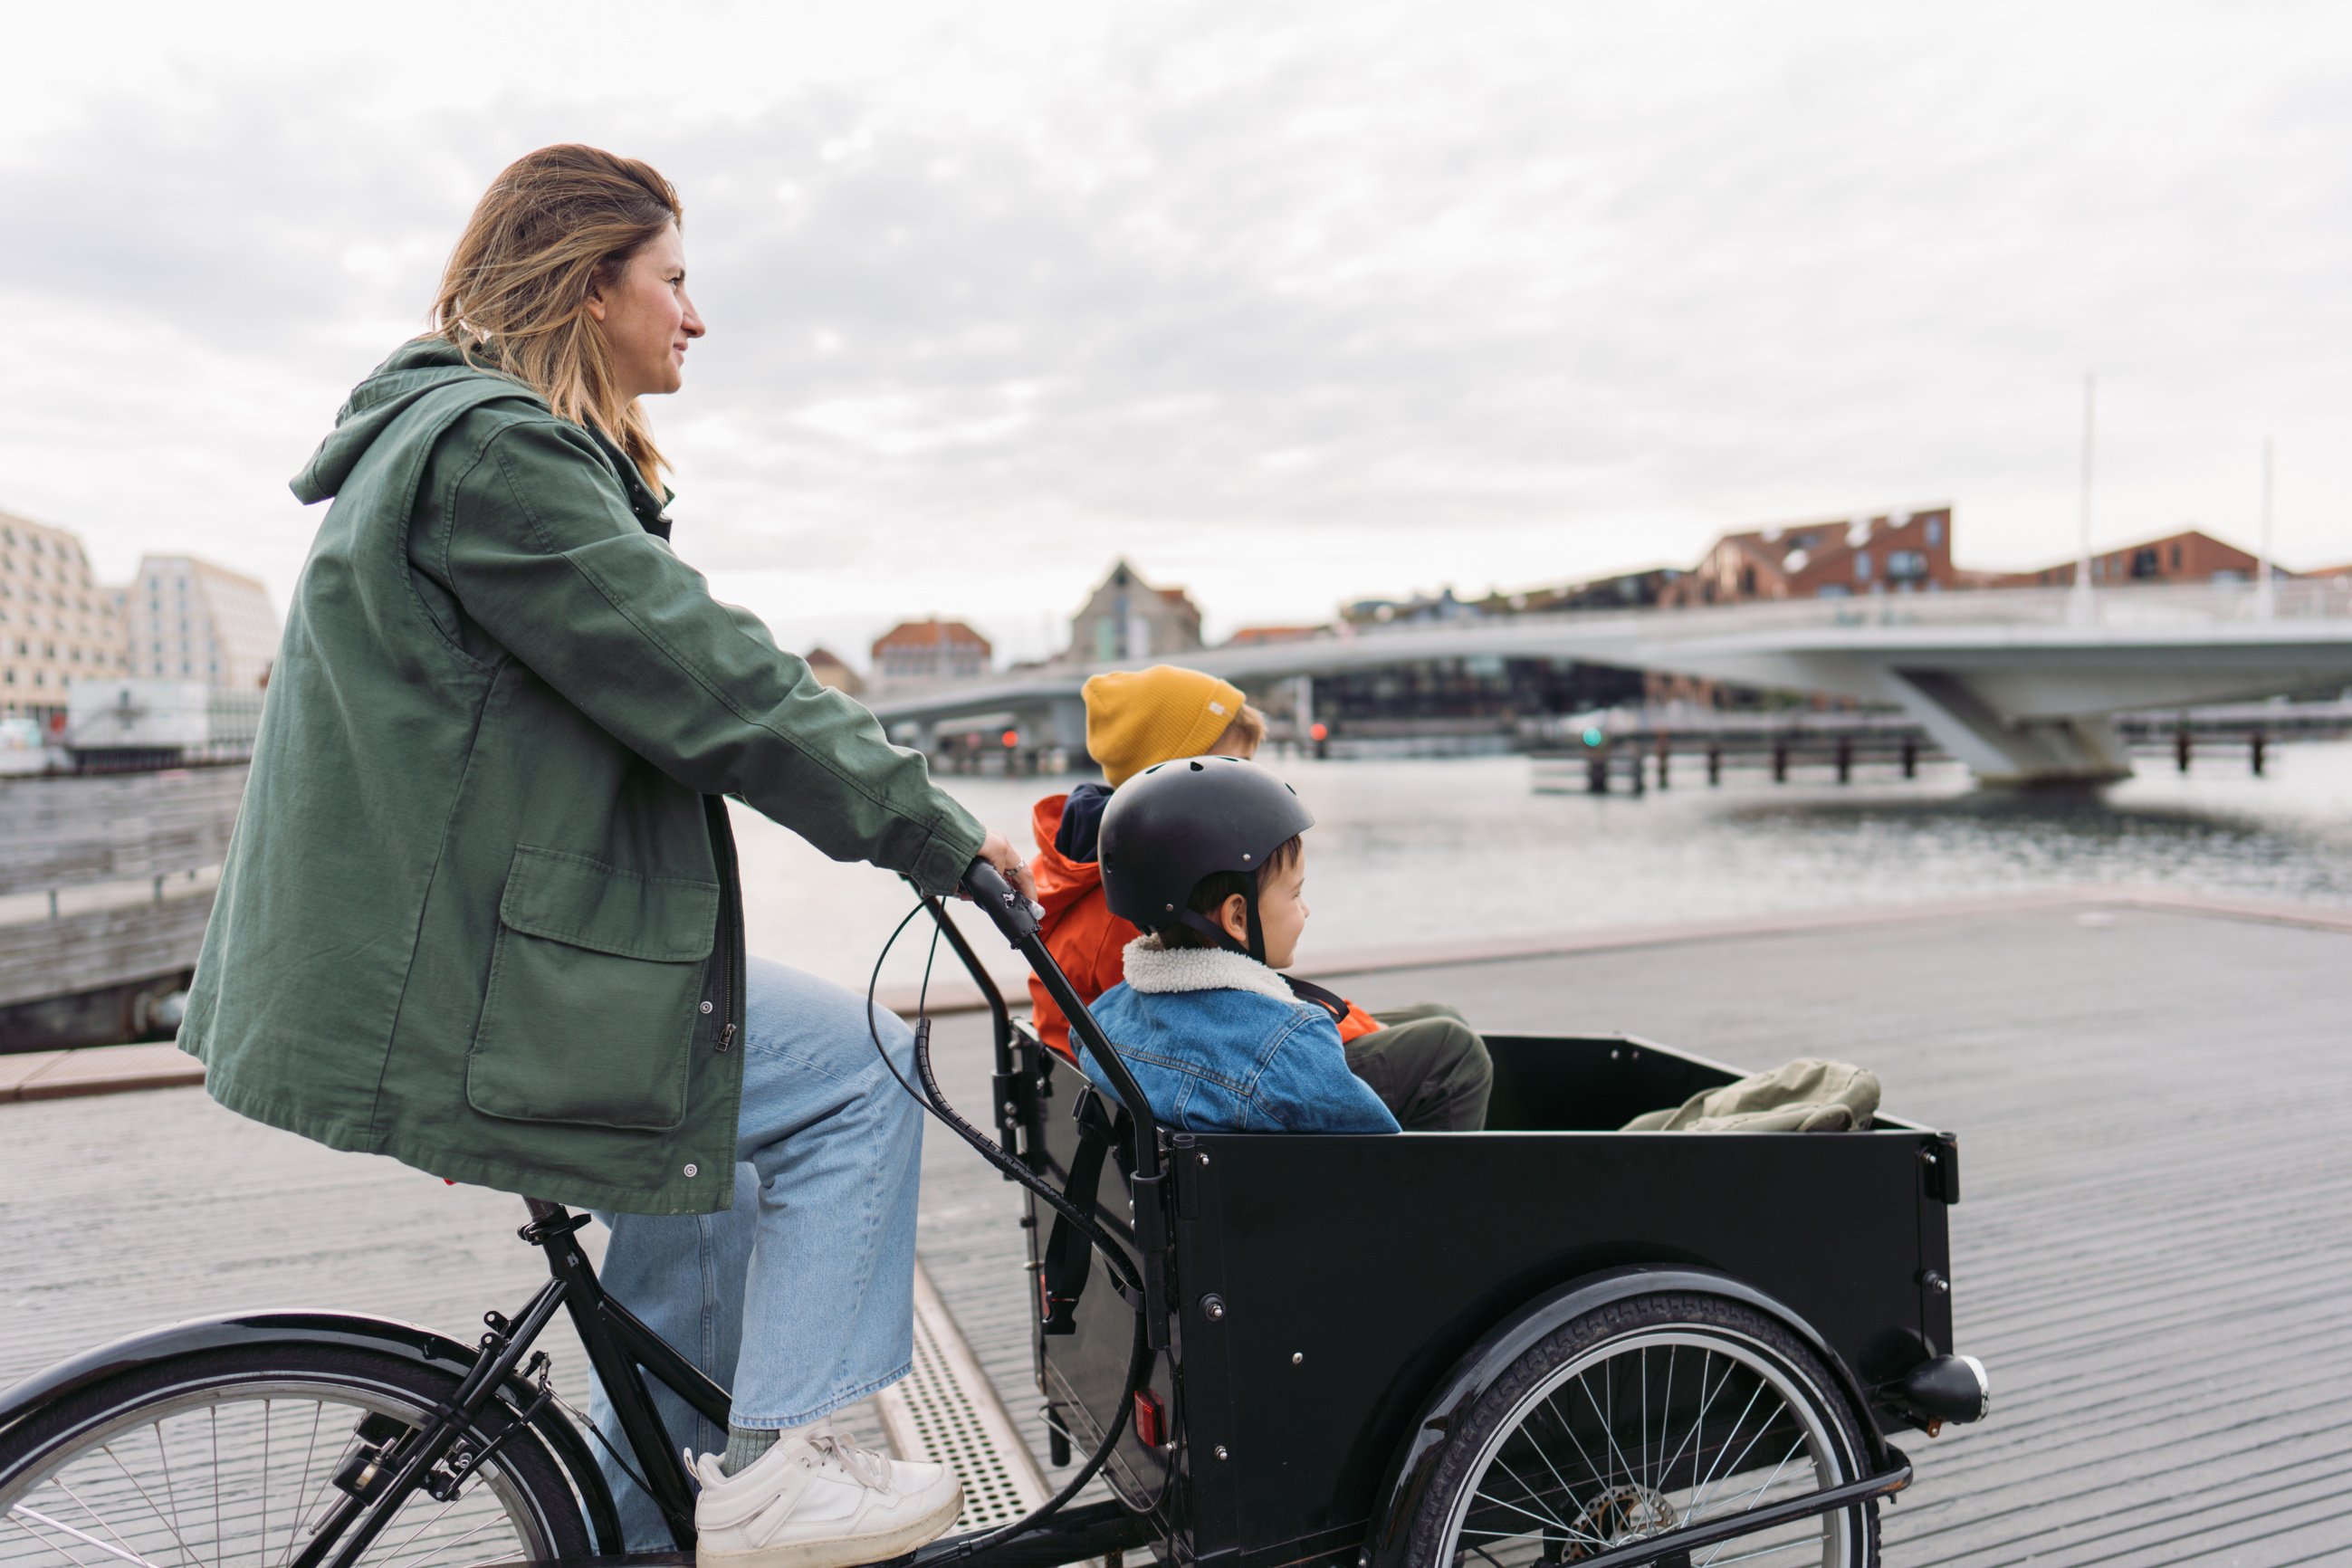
620 1348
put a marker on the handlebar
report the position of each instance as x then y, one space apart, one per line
1006 910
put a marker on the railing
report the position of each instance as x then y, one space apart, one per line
108 881
2133 605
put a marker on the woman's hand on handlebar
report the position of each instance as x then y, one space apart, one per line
1000 854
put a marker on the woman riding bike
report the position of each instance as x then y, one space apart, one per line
481 911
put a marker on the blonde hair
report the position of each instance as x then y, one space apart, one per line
555 226
1246 732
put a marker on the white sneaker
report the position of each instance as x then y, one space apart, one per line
818 1501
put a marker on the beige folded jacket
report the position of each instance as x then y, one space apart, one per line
1803 1096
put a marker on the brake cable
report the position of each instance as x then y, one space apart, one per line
936 1102
933 1100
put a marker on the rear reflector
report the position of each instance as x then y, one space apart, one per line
1150 1423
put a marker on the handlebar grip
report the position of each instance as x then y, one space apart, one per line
1006 910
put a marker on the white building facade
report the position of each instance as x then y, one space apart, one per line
187 620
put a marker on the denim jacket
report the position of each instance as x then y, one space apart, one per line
1219 1044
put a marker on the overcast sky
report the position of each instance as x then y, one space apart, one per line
1289 303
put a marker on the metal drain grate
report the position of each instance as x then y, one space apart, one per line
946 1412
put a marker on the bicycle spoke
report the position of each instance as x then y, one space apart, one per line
453 1545
1608 1429
317 1502
212 1415
261 1536
1533 1496
1533 1442
430 1520
1661 1474
94 1518
1708 1485
1706 1403
20 1514
1572 1437
172 1522
1761 1553
170 1491
1642 1376
1748 1498
302 1482
15 1516
1746 1449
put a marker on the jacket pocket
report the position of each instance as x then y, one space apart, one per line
594 992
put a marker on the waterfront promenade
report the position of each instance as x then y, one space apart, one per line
2150 1254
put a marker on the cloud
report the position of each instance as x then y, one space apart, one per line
1296 304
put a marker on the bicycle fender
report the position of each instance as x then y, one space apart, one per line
410 1342
1485 1363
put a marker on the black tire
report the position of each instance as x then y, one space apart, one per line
1619 1382
125 1464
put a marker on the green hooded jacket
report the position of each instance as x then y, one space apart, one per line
480 911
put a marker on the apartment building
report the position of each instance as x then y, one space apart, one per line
56 622
1898 553
187 619
2188 556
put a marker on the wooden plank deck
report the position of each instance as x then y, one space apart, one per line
2151 1256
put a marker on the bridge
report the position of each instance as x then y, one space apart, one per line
2021 684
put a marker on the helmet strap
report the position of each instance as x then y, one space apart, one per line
1224 938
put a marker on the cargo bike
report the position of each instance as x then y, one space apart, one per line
1545 1343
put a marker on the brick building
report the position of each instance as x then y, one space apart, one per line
1896 553
56 622
917 651
2188 556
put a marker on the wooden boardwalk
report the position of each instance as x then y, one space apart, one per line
2151 1256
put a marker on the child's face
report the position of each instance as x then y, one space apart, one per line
1281 912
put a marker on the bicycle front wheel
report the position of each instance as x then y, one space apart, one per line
233 1457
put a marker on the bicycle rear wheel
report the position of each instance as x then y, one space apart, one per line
230 1458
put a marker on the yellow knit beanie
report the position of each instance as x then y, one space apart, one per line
1139 716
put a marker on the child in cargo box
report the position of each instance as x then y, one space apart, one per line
1426 1065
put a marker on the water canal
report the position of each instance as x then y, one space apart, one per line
1458 850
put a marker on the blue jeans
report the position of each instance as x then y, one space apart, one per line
800 1297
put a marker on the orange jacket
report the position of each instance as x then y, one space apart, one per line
1086 939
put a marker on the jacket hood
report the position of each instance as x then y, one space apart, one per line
1062 881
416 371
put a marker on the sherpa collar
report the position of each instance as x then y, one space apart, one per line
1158 970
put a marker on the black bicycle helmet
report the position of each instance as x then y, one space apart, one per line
1177 822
